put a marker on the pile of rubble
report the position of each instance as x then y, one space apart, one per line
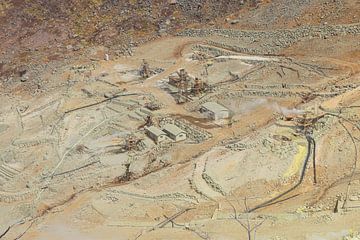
240 146
283 149
352 236
322 126
212 184
200 55
109 195
11 197
194 133
79 69
274 93
208 51
282 38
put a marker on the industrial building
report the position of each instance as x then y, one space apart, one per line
155 134
174 132
215 111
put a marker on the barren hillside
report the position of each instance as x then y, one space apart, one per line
176 119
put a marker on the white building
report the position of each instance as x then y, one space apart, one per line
155 134
215 111
174 132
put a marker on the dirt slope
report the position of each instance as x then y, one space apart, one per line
73 101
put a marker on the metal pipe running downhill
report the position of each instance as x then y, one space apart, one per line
310 140
314 160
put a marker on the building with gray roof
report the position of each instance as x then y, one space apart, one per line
215 111
174 132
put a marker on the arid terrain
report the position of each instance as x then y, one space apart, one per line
176 119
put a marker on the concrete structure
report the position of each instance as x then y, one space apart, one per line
155 134
215 111
174 132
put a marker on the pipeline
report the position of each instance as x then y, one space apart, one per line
310 140
98 103
314 162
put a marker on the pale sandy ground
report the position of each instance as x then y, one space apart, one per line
126 210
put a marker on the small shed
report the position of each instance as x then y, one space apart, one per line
174 132
155 134
215 111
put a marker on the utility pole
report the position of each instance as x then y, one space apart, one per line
249 227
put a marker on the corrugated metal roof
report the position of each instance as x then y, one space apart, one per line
214 107
173 129
156 131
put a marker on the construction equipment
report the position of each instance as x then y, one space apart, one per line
307 121
181 82
206 66
184 85
180 79
152 106
148 122
187 86
145 71
199 87
131 143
